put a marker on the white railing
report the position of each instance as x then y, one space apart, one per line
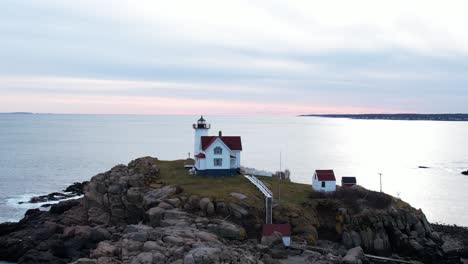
268 197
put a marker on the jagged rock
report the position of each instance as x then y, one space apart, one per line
203 204
210 209
173 240
154 216
64 206
98 216
76 188
119 195
238 211
144 258
104 249
203 255
226 229
356 239
353 256
84 261
416 246
238 195
151 246
275 239
165 205
221 208
175 202
207 237
347 240
379 245
99 234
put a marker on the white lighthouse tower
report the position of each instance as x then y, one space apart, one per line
201 129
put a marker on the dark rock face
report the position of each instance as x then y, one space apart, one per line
120 195
383 232
71 191
102 227
76 188
465 172
38 238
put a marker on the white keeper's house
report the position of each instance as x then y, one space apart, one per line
324 180
215 155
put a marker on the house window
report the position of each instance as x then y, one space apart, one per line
323 184
218 151
218 162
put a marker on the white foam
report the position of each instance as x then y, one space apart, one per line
13 202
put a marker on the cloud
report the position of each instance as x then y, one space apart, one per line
380 55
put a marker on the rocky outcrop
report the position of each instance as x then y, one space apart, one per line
121 219
121 196
74 190
179 244
354 256
383 232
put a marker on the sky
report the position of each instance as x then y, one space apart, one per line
233 57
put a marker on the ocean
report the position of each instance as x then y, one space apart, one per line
43 153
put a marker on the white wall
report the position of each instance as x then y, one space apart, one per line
226 156
330 186
199 132
200 164
237 154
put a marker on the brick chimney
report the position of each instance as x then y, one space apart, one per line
220 133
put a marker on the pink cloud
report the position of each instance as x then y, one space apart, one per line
89 104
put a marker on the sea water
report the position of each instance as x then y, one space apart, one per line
43 153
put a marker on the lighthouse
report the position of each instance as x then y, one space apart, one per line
201 129
215 155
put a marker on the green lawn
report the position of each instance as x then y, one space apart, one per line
219 188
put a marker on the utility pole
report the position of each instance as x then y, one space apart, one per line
380 181
279 178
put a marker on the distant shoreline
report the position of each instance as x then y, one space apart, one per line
16 113
412 117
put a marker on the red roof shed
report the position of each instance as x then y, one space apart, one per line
284 229
325 175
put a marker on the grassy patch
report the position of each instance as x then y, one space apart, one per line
290 193
216 188
219 188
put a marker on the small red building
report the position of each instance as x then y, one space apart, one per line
284 229
348 181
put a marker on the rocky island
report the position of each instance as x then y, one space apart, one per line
153 211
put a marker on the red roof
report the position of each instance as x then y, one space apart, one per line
325 175
284 229
233 142
200 155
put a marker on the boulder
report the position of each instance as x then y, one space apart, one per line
203 204
64 206
202 255
227 230
154 215
273 240
221 208
210 209
104 249
353 256
238 195
238 211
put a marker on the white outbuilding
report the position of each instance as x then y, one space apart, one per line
215 155
324 180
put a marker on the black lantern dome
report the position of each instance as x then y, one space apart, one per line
201 124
